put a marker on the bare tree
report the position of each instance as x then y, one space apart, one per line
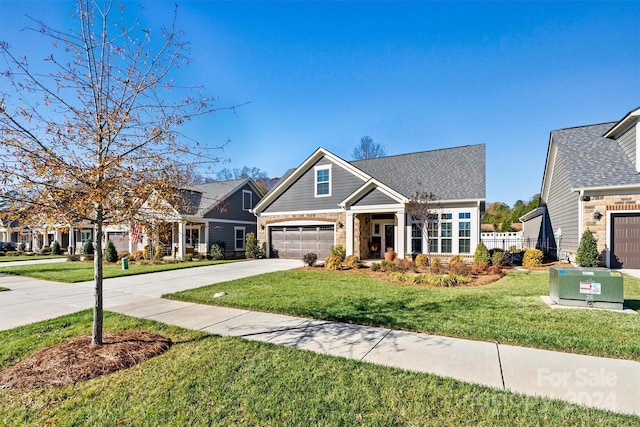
424 208
89 139
367 149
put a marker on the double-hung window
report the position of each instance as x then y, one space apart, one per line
247 200
323 181
446 233
239 234
416 239
464 232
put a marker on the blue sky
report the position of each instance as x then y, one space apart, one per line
414 76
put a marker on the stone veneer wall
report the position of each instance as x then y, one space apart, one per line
329 218
605 204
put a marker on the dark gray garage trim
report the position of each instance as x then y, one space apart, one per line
293 242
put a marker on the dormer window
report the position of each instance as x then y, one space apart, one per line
323 181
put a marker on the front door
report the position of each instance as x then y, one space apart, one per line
389 237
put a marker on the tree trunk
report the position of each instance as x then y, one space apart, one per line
96 337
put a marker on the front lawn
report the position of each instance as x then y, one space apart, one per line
208 380
509 311
80 271
28 258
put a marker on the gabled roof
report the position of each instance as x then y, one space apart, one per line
204 197
457 173
623 124
591 160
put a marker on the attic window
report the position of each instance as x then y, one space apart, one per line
323 181
247 200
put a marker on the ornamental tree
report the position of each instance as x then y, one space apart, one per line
86 139
423 206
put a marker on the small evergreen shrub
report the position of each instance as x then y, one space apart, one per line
422 261
157 253
532 258
499 258
353 262
333 263
310 259
387 265
479 267
55 248
146 253
217 251
45 250
187 257
338 250
588 255
253 249
22 247
87 248
110 252
375 266
481 254
456 259
200 257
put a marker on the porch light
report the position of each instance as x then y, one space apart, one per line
340 224
597 215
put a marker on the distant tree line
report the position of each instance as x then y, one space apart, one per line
501 216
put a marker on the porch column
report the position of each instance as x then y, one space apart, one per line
72 240
58 236
206 237
182 243
401 234
349 233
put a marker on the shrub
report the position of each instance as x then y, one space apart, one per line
422 261
404 264
375 266
353 262
436 265
123 254
481 254
46 250
87 248
338 250
460 269
55 248
136 256
387 265
419 279
146 253
499 258
187 257
588 255
200 256
22 247
532 258
456 259
158 254
110 252
448 281
216 251
310 259
400 276
333 263
252 248
479 267
73 258
12 253
494 269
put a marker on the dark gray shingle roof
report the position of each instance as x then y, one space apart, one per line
204 196
457 173
591 160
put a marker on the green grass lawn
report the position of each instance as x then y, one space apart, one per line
72 272
508 311
27 258
209 380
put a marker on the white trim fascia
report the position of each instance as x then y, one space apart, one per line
377 208
373 184
230 221
532 214
460 201
300 170
623 124
298 223
608 188
301 212
549 168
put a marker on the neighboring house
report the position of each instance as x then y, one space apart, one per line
213 212
361 205
591 182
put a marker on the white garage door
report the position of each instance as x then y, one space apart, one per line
295 242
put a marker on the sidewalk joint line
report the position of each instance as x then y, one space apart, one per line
500 365
376 344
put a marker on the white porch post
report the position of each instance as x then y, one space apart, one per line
58 236
349 233
401 234
206 237
182 232
72 240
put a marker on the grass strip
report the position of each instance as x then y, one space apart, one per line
509 311
72 272
209 380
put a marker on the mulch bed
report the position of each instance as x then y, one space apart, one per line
78 360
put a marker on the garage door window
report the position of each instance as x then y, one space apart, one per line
239 238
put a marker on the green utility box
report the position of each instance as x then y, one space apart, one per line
586 287
125 263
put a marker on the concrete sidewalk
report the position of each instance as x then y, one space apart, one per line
590 381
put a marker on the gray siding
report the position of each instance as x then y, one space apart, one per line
219 231
231 208
300 196
562 208
375 197
627 142
532 232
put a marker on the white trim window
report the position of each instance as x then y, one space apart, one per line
247 200
86 235
322 185
192 236
464 233
239 238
